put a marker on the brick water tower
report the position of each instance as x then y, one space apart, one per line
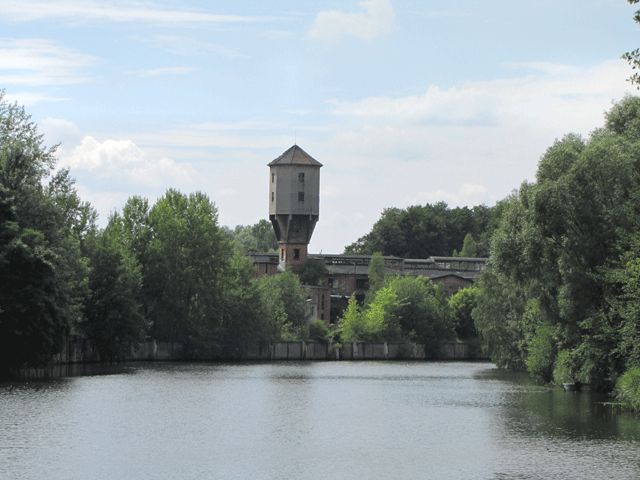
294 204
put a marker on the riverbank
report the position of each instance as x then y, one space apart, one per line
78 353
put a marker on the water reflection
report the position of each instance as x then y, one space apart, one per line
310 420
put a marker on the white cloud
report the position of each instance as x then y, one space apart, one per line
555 97
377 19
190 47
466 194
36 62
27 10
162 71
59 130
31 98
122 162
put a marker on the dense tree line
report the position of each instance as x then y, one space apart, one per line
421 231
562 295
166 271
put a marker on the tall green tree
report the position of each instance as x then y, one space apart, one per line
187 256
114 322
45 225
559 253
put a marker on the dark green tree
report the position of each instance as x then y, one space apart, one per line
314 272
114 321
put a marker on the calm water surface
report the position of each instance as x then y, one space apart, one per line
343 420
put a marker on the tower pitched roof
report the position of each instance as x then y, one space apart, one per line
295 156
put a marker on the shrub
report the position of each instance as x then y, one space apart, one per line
540 353
564 369
628 389
318 331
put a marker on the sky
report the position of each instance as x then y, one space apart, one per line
405 102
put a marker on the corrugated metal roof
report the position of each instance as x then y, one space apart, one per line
295 156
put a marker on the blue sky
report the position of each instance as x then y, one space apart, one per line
404 102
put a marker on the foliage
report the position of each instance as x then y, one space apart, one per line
568 243
421 231
318 331
376 273
421 311
351 321
564 369
633 56
258 237
114 322
461 305
405 308
250 316
628 389
285 299
43 226
469 247
541 353
187 258
313 272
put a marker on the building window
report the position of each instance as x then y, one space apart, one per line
322 316
322 301
301 177
301 196
330 282
282 254
296 254
273 177
273 196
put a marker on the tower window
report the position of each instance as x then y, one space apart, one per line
301 177
296 254
273 177
301 196
273 196
282 254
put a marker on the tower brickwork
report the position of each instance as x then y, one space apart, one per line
294 204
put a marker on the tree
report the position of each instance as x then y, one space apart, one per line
351 325
184 272
421 231
250 315
285 297
45 225
259 237
461 304
31 324
313 272
469 247
114 322
376 273
421 311
563 255
633 56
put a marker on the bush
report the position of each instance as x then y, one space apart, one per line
564 370
628 389
318 331
540 354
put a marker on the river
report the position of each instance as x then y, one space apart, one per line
324 420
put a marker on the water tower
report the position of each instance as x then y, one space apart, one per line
294 204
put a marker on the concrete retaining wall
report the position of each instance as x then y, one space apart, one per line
77 354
